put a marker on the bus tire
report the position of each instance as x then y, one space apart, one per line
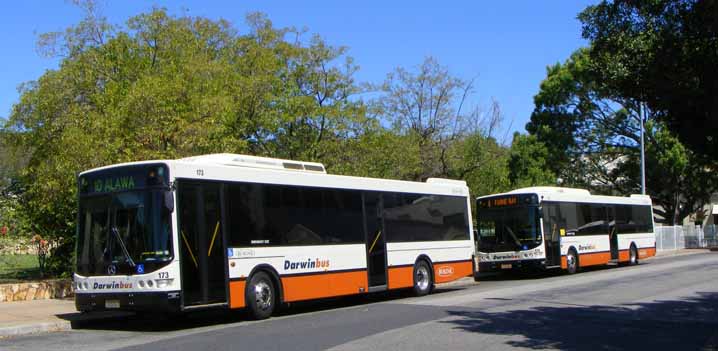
572 261
261 296
632 256
423 279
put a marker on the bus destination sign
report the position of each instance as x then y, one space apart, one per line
509 200
123 179
111 184
500 201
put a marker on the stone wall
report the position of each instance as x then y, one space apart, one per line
49 289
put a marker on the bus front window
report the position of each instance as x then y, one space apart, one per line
509 229
124 233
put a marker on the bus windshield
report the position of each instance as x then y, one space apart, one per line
508 229
124 233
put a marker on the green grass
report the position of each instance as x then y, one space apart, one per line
14 268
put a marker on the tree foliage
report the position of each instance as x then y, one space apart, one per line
163 86
663 53
677 182
168 87
594 134
427 106
527 163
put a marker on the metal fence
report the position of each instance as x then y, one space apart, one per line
685 237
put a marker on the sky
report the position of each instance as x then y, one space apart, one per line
504 45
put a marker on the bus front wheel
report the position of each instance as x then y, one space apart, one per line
423 282
572 261
632 256
260 296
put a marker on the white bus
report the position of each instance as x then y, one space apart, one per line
237 231
551 227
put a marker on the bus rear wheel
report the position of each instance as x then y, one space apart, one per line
260 296
423 280
632 256
572 261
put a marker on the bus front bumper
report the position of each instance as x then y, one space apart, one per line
166 301
517 265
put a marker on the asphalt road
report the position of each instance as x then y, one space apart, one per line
669 303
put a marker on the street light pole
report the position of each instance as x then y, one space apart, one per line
641 116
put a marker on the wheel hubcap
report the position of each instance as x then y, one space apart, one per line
263 295
633 256
422 278
571 261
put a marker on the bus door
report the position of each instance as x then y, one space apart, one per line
202 253
612 232
552 234
375 241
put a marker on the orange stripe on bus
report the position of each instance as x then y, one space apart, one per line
593 259
624 256
316 286
589 259
401 277
236 294
646 252
446 272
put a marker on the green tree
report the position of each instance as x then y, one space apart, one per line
167 87
583 124
677 183
485 165
427 106
663 53
527 162
431 132
593 134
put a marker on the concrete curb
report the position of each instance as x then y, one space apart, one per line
26 329
682 252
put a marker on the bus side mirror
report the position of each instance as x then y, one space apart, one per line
169 201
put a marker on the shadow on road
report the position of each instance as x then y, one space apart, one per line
689 324
128 321
541 274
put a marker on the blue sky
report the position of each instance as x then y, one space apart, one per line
507 45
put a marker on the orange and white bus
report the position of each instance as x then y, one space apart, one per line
237 231
551 227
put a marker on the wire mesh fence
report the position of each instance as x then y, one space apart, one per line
685 237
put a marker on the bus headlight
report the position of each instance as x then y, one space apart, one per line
141 283
150 283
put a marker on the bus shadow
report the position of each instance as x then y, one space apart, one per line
517 275
686 324
148 322
542 274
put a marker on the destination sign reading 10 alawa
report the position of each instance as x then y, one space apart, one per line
114 184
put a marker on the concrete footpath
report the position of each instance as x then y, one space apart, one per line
42 316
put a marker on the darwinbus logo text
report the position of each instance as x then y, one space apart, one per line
113 285
309 263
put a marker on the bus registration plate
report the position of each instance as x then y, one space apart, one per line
112 303
506 266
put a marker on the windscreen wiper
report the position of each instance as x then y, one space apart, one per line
513 236
122 246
